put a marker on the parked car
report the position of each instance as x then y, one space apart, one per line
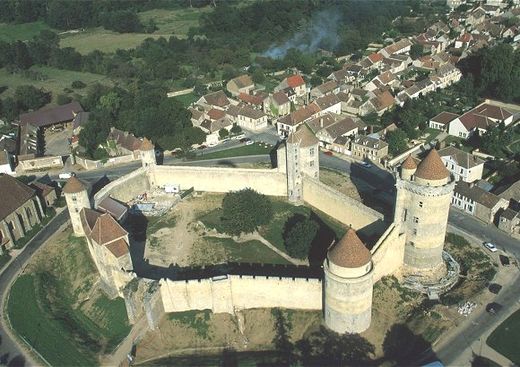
366 165
244 140
493 308
491 247
66 175
200 147
239 137
250 142
328 152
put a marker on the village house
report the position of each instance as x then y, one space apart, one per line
217 100
240 84
475 17
329 87
386 79
478 202
369 148
463 166
400 47
446 75
124 143
55 117
289 123
321 122
509 222
197 116
20 211
512 33
442 120
46 193
346 127
294 82
280 105
341 76
464 40
212 128
328 103
247 117
481 118
382 101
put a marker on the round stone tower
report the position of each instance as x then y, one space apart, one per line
147 153
422 204
76 196
348 285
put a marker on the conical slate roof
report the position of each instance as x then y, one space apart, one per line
409 163
146 144
73 186
432 167
349 252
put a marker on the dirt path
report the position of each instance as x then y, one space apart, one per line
119 355
256 236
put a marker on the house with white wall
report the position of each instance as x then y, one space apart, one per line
482 118
463 166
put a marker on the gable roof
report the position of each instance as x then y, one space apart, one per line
375 57
41 188
463 159
349 252
118 248
49 116
280 98
243 81
300 115
13 194
477 194
113 207
343 127
326 101
321 122
124 139
215 114
106 230
248 98
217 98
444 117
294 81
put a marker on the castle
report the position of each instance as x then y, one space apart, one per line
412 243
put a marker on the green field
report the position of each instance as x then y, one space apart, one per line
504 339
22 32
187 99
174 21
54 308
4 259
253 149
55 80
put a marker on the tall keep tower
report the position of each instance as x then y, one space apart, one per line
348 285
421 212
301 157
147 153
76 196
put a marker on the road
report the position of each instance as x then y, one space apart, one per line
9 349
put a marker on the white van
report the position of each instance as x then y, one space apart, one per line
66 175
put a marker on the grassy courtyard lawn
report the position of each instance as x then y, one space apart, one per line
431 133
22 32
174 21
248 252
254 149
504 339
187 99
55 80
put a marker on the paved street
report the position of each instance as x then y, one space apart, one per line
9 350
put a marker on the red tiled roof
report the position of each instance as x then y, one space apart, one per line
375 57
294 81
444 117
215 114
248 98
409 163
107 230
73 186
118 248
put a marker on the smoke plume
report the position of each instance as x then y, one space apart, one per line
321 32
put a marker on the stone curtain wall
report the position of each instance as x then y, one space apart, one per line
227 293
217 179
125 188
388 253
341 207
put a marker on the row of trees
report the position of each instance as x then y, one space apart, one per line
25 97
120 16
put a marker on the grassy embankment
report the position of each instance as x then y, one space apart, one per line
56 309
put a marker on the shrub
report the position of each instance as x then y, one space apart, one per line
300 233
78 84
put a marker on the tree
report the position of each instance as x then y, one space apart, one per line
416 51
258 76
95 132
403 347
298 236
281 340
28 97
199 88
235 130
223 133
244 211
22 58
62 99
396 141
